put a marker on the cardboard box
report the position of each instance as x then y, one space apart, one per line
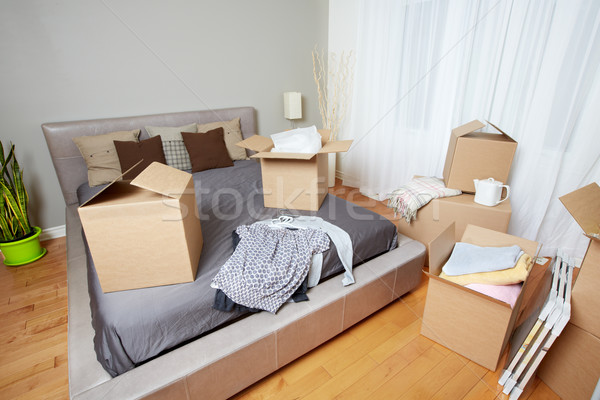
439 213
468 322
477 155
297 181
572 366
145 232
584 206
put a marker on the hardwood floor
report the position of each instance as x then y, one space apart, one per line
33 327
382 357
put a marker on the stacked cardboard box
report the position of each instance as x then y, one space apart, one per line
477 155
572 366
472 154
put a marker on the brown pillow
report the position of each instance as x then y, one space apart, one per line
207 150
232 133
100 155
130 153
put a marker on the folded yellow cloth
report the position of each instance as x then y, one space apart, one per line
503 277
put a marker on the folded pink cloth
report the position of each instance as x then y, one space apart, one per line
506 293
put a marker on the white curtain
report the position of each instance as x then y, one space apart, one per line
531 67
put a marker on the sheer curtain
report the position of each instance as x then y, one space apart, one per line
531 67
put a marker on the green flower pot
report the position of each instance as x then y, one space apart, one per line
23 251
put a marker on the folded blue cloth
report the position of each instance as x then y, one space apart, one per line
467 258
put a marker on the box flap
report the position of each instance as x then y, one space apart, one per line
118 178
324 135
256 143
339 146
467 128
284 156
163 179
584 206
496 128
440 249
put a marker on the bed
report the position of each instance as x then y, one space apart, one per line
113 355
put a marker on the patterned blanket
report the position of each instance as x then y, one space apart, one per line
407 200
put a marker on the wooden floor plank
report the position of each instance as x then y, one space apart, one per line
342 379
396 342
461 383
410 375
435 379
360 349
386 370
267 388
36 385
311 382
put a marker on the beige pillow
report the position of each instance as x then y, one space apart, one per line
233 135
168 133
101 156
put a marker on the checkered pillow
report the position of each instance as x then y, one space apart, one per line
176 154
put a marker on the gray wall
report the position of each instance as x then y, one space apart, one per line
79 59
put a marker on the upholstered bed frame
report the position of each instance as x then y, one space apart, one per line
226 361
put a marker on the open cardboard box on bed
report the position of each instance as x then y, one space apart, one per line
468 322
572 366
144 232
297 181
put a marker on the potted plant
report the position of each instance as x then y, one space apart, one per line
19 241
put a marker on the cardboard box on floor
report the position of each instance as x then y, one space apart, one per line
468 322
145 232
439 213
572 366
584 206
477 155
297 181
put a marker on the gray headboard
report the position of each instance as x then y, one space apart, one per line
68 162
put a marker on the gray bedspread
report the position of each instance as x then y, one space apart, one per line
133 326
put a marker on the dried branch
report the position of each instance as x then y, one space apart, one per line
334 87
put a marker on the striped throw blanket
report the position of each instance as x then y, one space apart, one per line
416 194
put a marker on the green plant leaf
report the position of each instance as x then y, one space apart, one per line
20 195
4 174
14 199
5 231
1 153
13 205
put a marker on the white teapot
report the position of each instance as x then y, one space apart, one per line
488 192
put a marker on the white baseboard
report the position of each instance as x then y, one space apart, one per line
53 233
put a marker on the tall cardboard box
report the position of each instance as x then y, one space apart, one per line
572 366
584 206
297 181
468 322
439 213
145 232
477 155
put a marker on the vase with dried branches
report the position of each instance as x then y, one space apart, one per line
333 76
